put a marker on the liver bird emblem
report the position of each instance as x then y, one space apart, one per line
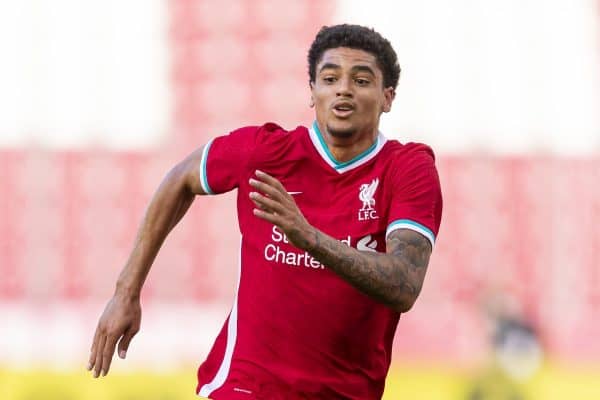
367 191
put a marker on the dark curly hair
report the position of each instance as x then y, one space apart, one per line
355 37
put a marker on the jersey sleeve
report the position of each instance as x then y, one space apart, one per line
416 196
225 158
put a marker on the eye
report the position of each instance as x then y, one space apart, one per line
362 81
329 79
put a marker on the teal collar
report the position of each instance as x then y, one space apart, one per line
341 167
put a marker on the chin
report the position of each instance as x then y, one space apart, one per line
341 132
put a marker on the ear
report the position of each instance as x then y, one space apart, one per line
312 99
389 94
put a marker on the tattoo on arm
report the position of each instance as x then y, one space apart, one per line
394 278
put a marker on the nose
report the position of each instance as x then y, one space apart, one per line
344 88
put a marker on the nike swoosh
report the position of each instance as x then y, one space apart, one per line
293 193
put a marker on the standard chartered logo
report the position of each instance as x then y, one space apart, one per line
274 252
367 244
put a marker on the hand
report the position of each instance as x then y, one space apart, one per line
274 204
121 320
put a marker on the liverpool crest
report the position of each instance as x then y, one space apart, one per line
366 195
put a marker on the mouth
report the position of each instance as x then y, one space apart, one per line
343 109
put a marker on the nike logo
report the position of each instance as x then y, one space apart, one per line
293 193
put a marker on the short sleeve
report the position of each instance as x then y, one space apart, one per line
416 202
225 158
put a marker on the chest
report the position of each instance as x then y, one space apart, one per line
347 206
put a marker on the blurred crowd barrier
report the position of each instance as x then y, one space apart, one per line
522 234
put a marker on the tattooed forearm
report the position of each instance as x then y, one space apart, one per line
394 278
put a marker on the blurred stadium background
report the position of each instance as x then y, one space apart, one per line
100 98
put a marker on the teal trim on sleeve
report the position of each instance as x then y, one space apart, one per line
203 176
409 224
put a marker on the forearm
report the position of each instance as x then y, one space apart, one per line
392 279
169 204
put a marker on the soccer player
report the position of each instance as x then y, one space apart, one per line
337 226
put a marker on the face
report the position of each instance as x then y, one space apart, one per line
348 92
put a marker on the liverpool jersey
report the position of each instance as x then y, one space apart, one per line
296 329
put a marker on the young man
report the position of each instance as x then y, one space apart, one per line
337 226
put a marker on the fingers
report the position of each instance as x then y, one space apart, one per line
92 359
264 203
272 218
265 188
273 202
107 354
125 340
119 322
99 353
263 176
103 349
268 185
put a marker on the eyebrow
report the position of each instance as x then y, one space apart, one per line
356 68
363 68
329 66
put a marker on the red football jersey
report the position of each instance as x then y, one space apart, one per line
297 330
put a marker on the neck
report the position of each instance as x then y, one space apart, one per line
345 149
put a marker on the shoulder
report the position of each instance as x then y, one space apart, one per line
268 141
409 156
410 166
268 132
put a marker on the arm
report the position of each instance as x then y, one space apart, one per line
121 318
394 278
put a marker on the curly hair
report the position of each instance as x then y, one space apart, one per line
355 37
